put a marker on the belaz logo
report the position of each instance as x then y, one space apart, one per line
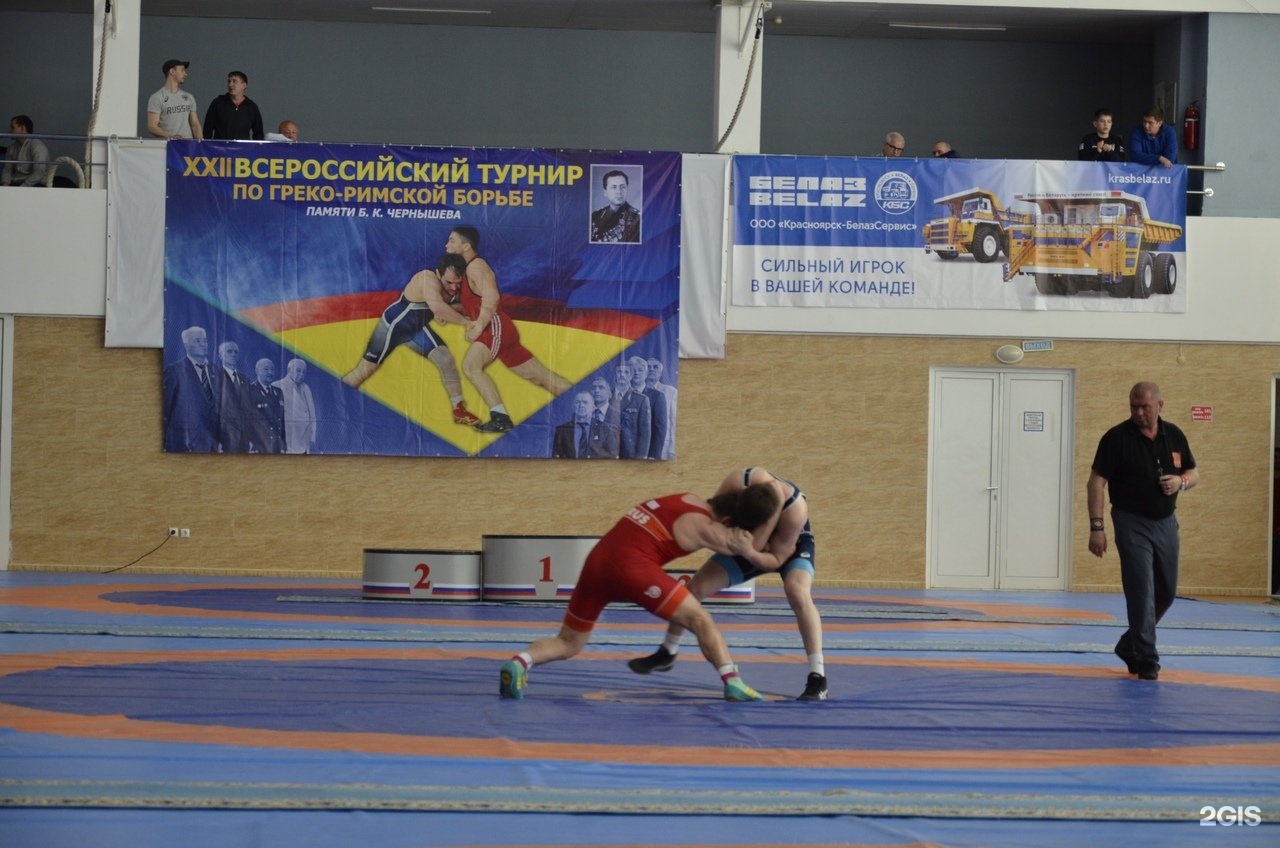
895 193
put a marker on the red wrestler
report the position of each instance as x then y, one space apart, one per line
492 334
626 565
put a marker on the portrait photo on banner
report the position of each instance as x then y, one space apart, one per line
420 301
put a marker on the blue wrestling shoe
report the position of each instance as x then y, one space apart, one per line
512 680
736 689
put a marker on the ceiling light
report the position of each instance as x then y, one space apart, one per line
951 27
431 11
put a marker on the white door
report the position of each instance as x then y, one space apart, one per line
1000 447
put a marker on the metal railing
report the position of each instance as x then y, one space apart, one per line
85 167
1216 168
81 168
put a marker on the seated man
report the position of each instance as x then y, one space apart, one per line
28 156
407 321
626 565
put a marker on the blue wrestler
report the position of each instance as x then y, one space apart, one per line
407 322
788 546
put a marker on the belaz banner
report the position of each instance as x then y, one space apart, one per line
424 301
958 234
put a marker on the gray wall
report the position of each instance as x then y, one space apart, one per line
1241 121
46 72
990 100
645 90
451 85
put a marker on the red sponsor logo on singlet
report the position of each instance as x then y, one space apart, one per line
650 522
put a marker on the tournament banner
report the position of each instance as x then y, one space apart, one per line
420 301
958 234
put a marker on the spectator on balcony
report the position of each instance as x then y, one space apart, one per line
233 115
28 157
1101 145
171 111
1153 142
943 150
289 129
894 144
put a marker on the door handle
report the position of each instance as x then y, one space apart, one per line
992 488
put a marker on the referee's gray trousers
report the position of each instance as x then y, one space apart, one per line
1148 549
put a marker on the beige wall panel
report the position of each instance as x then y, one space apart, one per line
846 417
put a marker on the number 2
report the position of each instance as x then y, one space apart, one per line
424 576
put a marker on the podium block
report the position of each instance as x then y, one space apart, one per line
421 575
533 568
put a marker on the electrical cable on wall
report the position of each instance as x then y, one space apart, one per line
139 559
746 83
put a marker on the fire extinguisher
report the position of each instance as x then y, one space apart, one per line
1190 126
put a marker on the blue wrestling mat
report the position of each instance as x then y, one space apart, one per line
150 712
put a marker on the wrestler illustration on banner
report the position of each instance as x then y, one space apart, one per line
344 281
492 334
407 321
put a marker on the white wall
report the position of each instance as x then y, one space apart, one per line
54 244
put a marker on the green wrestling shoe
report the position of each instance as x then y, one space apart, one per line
512 680
736 689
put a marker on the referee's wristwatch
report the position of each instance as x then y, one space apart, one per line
1096 525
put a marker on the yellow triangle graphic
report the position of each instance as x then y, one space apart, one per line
410 384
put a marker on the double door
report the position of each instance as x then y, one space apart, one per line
1000 449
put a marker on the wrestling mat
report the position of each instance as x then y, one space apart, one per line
154 711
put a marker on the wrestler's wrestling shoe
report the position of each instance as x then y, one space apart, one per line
512 680
736 689
815 689
659 660
499 422
463 416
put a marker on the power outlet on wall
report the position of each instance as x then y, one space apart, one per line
173 531
185 533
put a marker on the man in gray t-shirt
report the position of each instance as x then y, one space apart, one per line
171 112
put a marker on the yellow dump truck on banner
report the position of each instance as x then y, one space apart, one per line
1091 241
